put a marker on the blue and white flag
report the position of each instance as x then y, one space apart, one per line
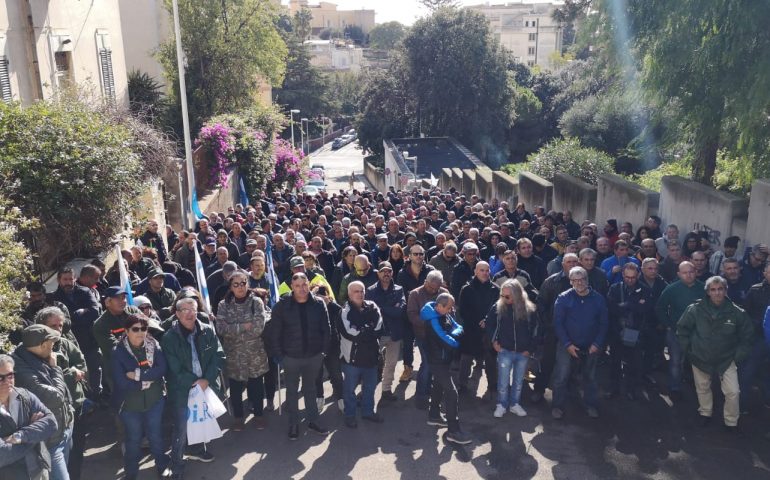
242 192
196 209
125 284
204 289
272 278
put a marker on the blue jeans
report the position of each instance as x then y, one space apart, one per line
674 361
424 375
137 425
179 439
749 368
561 374
368 378
508 363
60 455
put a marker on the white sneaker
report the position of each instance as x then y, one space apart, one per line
499 411
517 410
320 403
341 405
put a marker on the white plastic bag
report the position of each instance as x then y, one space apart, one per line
202 426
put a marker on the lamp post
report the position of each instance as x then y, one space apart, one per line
305 135
291 117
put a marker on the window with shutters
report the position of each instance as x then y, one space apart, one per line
5 80
104 50
530 50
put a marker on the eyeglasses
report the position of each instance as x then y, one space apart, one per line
239 284
145 307
8 376
578 280
138 329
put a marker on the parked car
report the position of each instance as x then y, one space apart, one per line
317 173
320 184
311 190
338 143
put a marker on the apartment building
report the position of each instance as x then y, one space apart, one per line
527 30
326 15
46 45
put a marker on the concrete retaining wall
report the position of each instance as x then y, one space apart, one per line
575 195
758 225
505 187
457 179
535 191
375 176
694 206
445 182
484 187
625 201
469 182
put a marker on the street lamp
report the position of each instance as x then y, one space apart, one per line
291 116
305 135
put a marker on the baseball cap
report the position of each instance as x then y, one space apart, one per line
385 265
114 292
296 262
36 334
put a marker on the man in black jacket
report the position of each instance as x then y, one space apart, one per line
152 239
551 288
756 303
360 326
297 337
84 308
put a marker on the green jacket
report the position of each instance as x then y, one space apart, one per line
180 376
675 299
69 356
713 337
107 330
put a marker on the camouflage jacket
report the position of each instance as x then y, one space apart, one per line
245 350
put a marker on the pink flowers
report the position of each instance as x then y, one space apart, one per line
289 165
219 140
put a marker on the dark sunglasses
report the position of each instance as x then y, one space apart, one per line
239 284
145 307
138 329
7 376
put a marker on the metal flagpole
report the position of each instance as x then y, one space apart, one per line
278 378
185 121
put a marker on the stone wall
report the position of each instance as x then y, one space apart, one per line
445 182
457 179
575 195
625 201
484 186
694 206
535 191
758 225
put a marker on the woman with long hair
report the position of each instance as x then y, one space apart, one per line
344 266
396 258
510 323
240 322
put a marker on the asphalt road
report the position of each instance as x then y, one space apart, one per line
339 164
643 439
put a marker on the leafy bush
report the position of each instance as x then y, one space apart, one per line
15 267
76 169
568 156
290 166
251 132
652 178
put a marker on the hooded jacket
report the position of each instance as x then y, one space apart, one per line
441 337
360 330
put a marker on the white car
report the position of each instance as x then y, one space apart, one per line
320 184
311 190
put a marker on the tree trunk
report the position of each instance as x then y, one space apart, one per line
706 162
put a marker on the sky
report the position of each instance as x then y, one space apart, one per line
404 11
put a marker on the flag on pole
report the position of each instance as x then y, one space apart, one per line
125 284
272 278
242 192
196 209
204 289
433 180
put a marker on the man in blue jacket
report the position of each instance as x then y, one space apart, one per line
614 264
580 321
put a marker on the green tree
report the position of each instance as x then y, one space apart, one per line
386 36
710 59
231 48
355 33
301 22
304 86
437 4
344 93
568 156
457 72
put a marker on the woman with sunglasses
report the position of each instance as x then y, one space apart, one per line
240 322
138 367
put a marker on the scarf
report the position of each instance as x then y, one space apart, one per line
150 344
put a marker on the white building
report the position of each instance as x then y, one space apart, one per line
526 29
329 55
47 45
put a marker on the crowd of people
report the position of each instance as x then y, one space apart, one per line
344 286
